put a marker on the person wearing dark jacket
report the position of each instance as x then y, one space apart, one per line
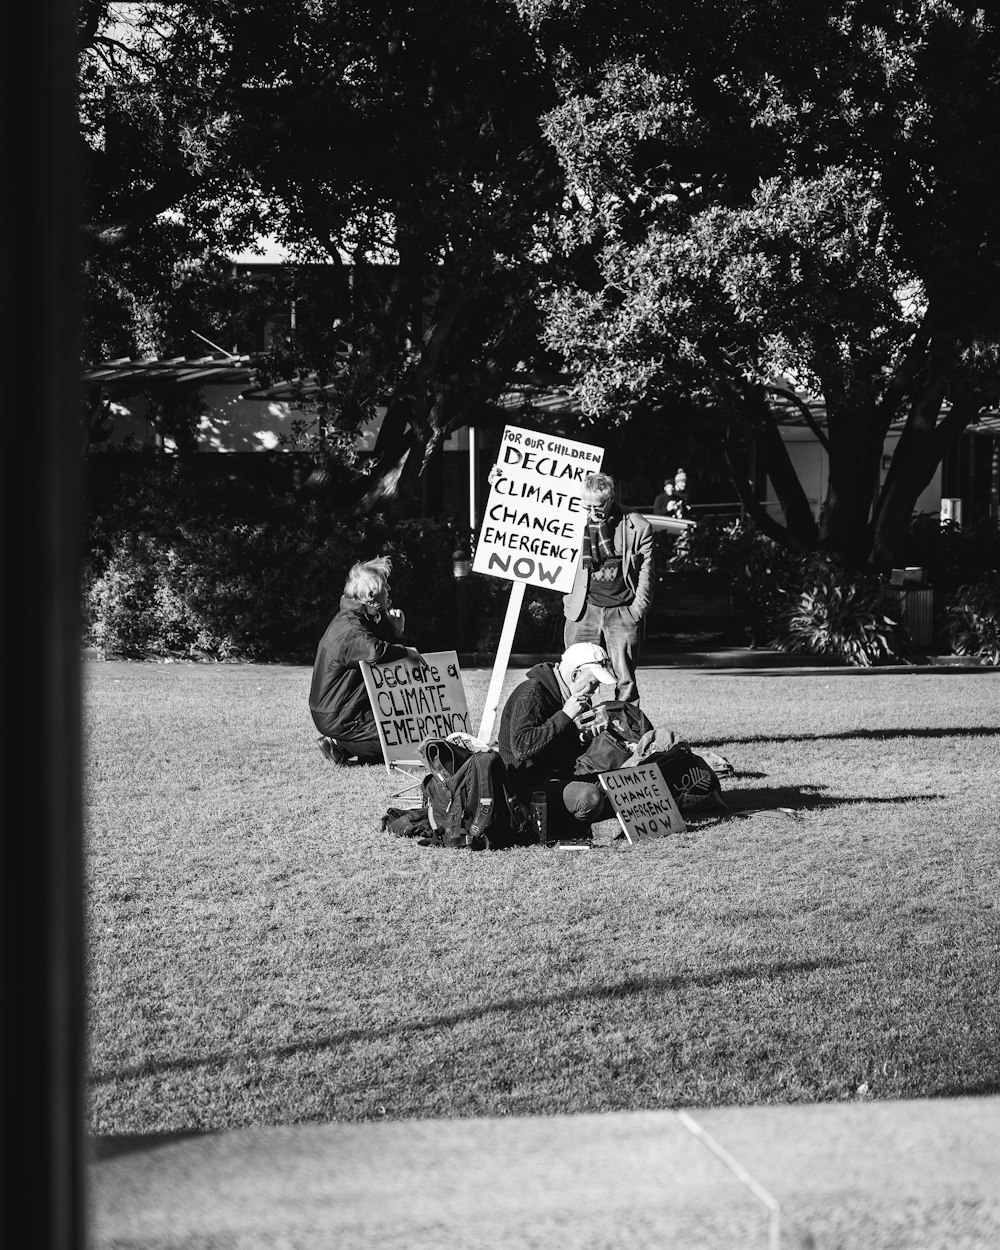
613 588
543 731
366 628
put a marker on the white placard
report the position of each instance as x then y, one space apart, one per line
414 701
534 519
642 801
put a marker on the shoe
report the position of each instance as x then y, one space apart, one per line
333 751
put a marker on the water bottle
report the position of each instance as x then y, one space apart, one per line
538 814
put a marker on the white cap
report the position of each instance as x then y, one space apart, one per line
590 654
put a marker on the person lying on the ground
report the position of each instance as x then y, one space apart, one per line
365 628
543 731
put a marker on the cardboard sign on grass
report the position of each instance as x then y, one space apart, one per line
534 518
642 801
413 701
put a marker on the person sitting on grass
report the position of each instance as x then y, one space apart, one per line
365 628
544 730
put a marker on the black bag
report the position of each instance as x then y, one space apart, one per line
689 778
619 727
408 822
468 800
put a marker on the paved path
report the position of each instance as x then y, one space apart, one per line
915 1175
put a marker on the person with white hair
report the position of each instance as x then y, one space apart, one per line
543 732
614 583
365 628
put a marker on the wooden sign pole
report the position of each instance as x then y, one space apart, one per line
500 663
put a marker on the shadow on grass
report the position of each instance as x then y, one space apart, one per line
623 989
985 1089
877 735
825 668
131 1143
774 799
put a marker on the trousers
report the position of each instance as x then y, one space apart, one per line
572 804
617 630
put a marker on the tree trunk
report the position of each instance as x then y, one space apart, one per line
919 452
857 436
438 400
800 524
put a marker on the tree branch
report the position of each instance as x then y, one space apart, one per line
758 513
807 416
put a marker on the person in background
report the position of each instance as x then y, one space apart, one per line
680 505
662 502
544 730
614 583
365 628
664 505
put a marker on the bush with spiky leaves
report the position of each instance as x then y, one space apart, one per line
839 611
972 622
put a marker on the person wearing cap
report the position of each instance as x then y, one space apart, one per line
679 506
543 731
614 581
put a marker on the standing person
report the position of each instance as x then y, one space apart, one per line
614 582
543 732
665 505
680 506
365 628
662 502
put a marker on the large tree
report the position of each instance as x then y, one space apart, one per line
777 190
398 142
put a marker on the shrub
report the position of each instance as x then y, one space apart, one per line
761 573
972 621
953 555
182 563
539 625
841 612
123 603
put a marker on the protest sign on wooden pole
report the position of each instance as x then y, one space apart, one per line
532 528
500 661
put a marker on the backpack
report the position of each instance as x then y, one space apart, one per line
619 726
467 798
690 779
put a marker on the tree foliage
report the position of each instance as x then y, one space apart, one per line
401 143
783 191
704 200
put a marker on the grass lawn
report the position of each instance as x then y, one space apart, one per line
260 952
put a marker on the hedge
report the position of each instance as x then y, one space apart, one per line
185 564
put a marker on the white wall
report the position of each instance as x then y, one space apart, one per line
811 463
234 424
230 424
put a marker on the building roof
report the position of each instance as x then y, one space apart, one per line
792 415
126 374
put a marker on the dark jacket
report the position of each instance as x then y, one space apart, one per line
635 536
338 699
537 740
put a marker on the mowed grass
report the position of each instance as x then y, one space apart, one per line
261 952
